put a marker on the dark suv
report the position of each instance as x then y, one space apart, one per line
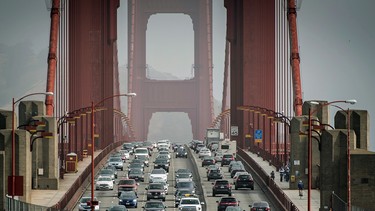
155 191
208 161
227 158
225 202
221 187
244 181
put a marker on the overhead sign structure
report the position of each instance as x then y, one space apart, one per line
234 130
258 136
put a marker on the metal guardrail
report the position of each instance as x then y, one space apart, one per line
267 182
13 204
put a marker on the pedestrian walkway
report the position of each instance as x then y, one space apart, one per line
300 202
49 198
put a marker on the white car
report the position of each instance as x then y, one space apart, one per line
204 152
116 162
183 178
165 153
104 183
125 154
84 203
191 202
158 174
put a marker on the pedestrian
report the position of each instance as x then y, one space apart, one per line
300 188
287 174
272 175
281 174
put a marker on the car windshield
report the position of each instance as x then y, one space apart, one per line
183 176
162 156
161 161
227 156
154 204
104 179
215 171
141 151
156 186
128 194
137 161
158 171
115 159
179 171
189 201
86 199
135 171
135 165
126 182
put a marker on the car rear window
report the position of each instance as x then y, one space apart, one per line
228 199
126 182
221 182
244 177
227 156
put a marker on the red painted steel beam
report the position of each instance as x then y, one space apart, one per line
294 57
52 60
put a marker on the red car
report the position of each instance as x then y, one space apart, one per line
127 185
225 202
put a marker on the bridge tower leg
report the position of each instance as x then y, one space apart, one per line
193 96
251 34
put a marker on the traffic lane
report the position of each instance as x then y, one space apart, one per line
245 196
108 198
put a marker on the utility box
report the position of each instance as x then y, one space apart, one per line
71 163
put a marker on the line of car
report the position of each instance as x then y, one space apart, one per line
221 185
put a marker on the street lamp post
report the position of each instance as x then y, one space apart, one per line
309 147
93 203
14 138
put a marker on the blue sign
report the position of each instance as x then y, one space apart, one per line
258 135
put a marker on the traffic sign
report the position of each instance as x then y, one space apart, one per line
234 130
258 136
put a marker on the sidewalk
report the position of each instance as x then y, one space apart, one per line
301 203
49 198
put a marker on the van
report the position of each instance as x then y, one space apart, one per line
141 151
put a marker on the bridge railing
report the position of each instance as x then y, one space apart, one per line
266 182
77 189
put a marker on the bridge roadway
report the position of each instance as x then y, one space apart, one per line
50 197
245 196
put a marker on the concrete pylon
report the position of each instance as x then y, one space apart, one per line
334 164
321 112
22 160
45 156
299 153
29 109
359 123
5 119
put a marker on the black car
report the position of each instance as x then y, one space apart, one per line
155 191
154 206
214 174
260 206
227 158
244 181
161 163
188 185
136 174
181 153
221 187
208 161
226 202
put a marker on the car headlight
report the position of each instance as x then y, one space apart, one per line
134 200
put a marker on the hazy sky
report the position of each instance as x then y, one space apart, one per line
336 38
